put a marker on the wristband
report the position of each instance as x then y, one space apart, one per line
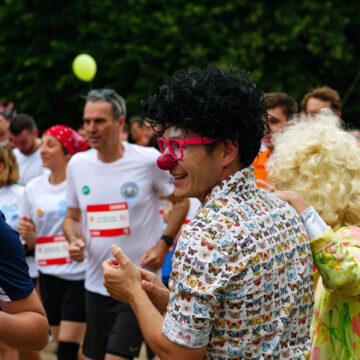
168 240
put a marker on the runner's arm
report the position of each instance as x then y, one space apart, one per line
154 257
23 323
73 233
177 215
72 224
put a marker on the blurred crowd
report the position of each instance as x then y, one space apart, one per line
69 193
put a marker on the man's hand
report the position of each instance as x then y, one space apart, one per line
270 188
76 250
121 277
27 231
294 199
154 257
167 212
74 234
158 293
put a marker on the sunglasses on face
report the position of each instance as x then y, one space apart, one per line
175 146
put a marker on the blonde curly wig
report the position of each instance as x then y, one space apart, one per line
321 161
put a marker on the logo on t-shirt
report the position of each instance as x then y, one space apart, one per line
39 212
62 208
129 190
10 211
85 190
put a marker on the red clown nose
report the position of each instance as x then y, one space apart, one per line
166 162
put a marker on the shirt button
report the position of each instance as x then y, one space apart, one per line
333 250
340 257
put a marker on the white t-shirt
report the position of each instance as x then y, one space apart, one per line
135 182
193 208
30 166
45 205
9 205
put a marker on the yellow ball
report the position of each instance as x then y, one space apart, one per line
84 67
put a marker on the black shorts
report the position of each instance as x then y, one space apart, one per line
62 299
111 328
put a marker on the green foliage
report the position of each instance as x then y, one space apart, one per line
286 45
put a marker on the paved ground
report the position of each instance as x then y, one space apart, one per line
48 353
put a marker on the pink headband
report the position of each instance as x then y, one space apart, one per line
68 138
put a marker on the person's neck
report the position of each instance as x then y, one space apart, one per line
35 147
227 172
57 176
230 170
4 137
111 154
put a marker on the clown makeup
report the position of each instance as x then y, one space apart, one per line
175 131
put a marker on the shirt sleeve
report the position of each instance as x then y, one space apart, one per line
313 223
15 281
72 200
337 257
187 321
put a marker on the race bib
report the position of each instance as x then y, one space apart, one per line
108 220
52 250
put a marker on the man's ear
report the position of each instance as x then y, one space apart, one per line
230 152
121 121
36 132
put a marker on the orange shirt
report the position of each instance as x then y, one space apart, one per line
259 166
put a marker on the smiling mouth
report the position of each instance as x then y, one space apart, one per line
179 177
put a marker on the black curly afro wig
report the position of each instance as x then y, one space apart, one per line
213 103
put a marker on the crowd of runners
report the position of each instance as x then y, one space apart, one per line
242 280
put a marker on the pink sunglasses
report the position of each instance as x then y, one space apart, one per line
175 146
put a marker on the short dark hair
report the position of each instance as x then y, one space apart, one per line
287 103
135 119
21 122
213 103
324 93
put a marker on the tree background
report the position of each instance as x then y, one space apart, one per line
290 46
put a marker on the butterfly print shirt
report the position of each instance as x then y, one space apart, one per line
242 282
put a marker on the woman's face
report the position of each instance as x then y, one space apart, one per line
52 153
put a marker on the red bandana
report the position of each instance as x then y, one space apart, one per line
68 138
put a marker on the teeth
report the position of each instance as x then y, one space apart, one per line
179 177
